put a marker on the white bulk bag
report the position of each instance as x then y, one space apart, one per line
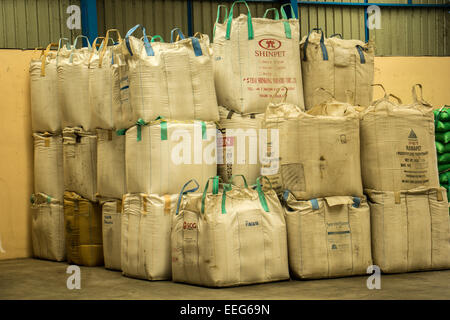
398 149
146 225
111 182
80 162
230 237
328 237
318 151
108 87
47 228
252 58
343 67
237 147
410 229
161 156
48 165
73 87
111 230
45 107
174 80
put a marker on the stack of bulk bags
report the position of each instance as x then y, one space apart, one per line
237 147
73 87
410 229
398 145
80 162
111 230
229 237
47 228
442 128
174 80
48 165
339 66
409 211
328 237
109 102
162 155
253 57
111 182
145 240
83 227
45 107
317 154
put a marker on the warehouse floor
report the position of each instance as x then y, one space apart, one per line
38 279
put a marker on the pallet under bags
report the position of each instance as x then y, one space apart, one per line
83 230
80 162
337 65
47 228
318 150
108 86
410 229
145 243
174 80
397 144
253 57
162 155
233 237
45 106
48 165
73 86
111 182
238 146
111 230
328 237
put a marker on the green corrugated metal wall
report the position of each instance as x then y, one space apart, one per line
405 31
34 23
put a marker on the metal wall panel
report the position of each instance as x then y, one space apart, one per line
404 31
27 24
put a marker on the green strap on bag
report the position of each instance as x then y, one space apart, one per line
249 21
287 26
214 191
139 125
218 16
262 197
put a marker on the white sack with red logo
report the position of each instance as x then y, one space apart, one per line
252 58
145 242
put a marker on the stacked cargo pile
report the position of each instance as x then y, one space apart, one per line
442 128
409 210
47 223
81 208
253 57
173 99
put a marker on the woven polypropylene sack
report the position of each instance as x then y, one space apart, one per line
318 154
237 147
146 225
343 67
234 241
410 229
80 162
162 156
328 237
111 231
252 58
111 182
83 230
48 165
45 107
73 87
174 80
109 88
398 149
47 228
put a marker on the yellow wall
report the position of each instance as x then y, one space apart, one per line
16 154
397 74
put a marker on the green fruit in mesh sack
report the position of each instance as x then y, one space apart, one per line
443 137
442 148
442 126
443 167
444 178
442 114
444 158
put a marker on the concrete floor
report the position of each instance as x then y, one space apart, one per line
38 279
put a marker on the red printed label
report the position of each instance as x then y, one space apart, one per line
269 44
